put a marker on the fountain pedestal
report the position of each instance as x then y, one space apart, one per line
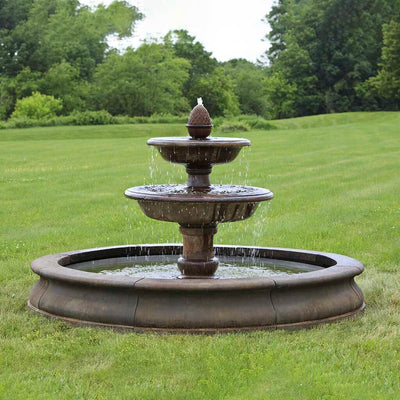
198 260
199 177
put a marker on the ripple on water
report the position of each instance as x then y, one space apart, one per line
157 267
184 189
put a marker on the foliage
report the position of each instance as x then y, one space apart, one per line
207 79
11 89
327 48
62 30
185 46
150 80
201 61
216 89
387 82
232 126
241 122
63 81
246 78
281 96
38 106
325 56
256 122
101 117
46 44
91 118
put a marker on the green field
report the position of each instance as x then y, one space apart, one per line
336 180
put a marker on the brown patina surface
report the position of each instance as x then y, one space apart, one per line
198 211
197 305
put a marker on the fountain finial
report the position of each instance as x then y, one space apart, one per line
199 124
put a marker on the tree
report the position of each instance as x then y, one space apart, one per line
11 89
63 81
216 89
327 48
387 82
142 82
12 13
281 95
246 78
59 41
62 30
186 46
206 78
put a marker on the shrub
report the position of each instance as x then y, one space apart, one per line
243 123
91 118
255 122
167 119
36 107
23 122
124 119
217 122
234 126
262 124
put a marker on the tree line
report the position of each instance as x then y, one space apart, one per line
324 56
333 56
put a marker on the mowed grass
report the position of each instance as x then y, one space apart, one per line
336 180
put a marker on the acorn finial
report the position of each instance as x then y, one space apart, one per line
199 124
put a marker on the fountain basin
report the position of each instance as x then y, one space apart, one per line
197 305
185 150
177 203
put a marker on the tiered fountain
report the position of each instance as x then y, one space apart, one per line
255 287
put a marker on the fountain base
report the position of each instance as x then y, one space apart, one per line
197 305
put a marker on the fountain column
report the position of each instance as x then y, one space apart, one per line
198 251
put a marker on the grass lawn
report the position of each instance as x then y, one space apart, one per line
336 180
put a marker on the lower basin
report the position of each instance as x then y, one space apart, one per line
165 267
282 288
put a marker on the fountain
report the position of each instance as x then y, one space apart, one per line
219 288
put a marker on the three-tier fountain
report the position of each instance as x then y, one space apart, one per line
197 287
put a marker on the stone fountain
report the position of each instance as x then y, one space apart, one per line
265 288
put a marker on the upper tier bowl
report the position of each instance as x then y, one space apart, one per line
185 150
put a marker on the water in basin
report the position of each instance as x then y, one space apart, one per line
184 189
165 267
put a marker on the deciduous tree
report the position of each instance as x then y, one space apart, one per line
142 82
246 78
387 82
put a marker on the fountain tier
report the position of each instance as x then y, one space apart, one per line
177 203
198 214
198 155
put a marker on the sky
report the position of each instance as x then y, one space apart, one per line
227 28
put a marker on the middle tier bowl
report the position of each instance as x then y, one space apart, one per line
178 203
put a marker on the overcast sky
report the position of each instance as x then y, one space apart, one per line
227 28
